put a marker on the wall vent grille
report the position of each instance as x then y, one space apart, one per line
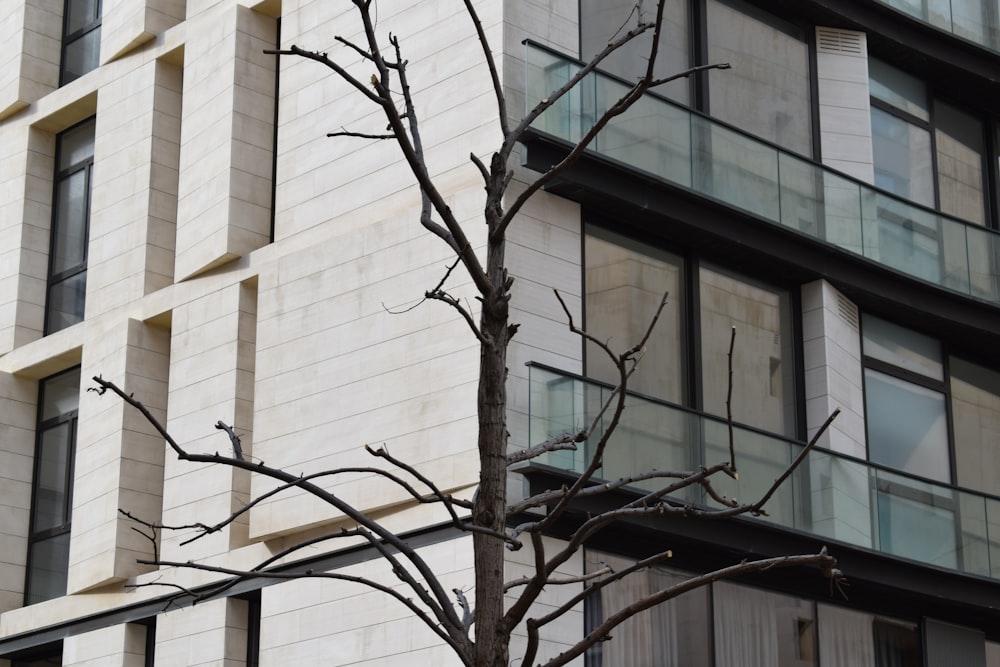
848 312
845 42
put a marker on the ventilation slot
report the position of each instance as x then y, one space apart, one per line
848 312
845 42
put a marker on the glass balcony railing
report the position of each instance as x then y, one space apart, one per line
831 495
974 20
691 151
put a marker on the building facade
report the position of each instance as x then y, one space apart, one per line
174 219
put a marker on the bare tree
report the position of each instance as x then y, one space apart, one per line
489 516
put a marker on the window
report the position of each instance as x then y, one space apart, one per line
625 280
52 488
905 403
67 285
602 21
81 44
975 408
925 150
935 416
49 655
673 634
855 639
733 625
768 92
755 628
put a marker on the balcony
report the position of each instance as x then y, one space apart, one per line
830 495
973 20
692 152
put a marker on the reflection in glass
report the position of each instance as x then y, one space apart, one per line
762 317
755 628
82 55
770 97
625 281
604 20
902 347
81 13
850 638
673 634
76 145
902 154
975 406
66 302
47 560
49 509
70 234
907 426
959 140
896 87
916 519
60 394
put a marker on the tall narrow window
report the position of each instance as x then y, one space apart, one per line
81 44
70 227
770 96
624 282
602 21
924 149
905 400
52 488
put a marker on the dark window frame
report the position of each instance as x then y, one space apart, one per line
56 278
942 387
42 426
990 152
69 39
693 394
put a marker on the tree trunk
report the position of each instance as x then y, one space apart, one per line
491 502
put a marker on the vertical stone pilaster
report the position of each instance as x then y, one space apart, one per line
31 31
18 400
832 354
126 24
133 210
119 456
211 380
209 633
224 191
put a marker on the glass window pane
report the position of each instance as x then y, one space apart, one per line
625 281
603 20
764 349
755 628
82 55
48 562
854 639
672 634
902 155
959 141
767 91
61 394
992 654
907 426
49 507
902 347
916 519
897 88
76 144
81 13
897 643
975 405
69 242
66 302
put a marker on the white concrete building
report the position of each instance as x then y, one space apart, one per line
173 218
